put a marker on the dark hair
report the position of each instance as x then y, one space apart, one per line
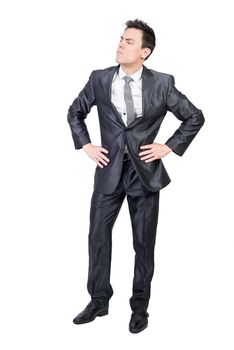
148 37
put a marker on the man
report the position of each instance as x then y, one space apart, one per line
132 102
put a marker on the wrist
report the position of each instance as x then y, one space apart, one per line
85 147
168 148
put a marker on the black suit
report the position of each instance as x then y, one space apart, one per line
138 180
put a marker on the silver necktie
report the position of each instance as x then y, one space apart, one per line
129 100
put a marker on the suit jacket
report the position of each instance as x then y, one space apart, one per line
159 95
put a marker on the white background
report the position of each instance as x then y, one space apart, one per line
48 49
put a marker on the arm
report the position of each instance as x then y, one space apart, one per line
77 113
192 119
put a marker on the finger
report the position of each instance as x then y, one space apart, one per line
101 160
145 152
151 160
145 146
104 158
99 164
156 157
104 150
148 156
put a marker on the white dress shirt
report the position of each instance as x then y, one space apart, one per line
117 93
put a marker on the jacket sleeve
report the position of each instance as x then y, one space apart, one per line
77 113
192 119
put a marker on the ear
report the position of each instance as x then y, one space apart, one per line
145 53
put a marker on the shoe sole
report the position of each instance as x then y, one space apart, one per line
100 314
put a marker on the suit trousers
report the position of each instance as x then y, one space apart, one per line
143 208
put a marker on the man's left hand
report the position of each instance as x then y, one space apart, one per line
154 151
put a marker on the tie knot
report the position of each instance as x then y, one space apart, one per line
127 79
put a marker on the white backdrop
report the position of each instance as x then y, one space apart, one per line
48 49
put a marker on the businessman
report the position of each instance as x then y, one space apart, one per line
132 102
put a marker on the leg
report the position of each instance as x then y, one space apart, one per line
103 213
143 207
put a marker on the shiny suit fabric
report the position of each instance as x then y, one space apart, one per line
159 95
143 208
140 182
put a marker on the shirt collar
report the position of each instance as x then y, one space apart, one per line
135 76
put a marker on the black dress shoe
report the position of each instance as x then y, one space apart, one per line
90 313
138 322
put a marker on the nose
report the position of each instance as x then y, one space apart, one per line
121 44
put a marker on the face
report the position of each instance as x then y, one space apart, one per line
129 51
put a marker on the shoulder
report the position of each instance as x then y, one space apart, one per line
97 73
164 77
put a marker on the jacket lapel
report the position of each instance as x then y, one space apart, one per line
109 78
147 89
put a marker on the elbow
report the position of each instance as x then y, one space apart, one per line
200 120
69 114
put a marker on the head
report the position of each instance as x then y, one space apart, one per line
136 43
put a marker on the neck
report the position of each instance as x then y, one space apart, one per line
129 70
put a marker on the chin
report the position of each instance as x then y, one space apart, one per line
118 59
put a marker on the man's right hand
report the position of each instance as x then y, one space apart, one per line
96 153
